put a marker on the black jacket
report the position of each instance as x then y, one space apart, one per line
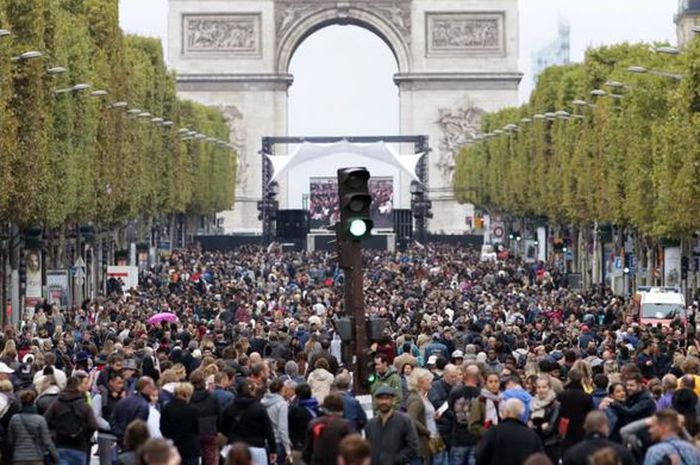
246 420
72 400
207 411
581 452
299 418
177 422
438 395
638 406
508 443
574 406
393 443
322 439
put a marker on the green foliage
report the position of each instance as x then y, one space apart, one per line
70 157
631 161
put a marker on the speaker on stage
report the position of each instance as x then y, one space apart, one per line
292 224
403 224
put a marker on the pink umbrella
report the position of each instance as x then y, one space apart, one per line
162 316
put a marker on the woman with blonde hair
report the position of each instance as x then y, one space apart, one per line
178 423
586 374
422 412
9 354
167 382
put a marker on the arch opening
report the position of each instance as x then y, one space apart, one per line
343 84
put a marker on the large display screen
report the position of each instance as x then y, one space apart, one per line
323 202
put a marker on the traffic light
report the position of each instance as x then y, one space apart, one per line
33 238
354 198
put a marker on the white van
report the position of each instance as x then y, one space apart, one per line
661 305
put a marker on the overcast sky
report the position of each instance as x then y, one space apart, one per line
343 75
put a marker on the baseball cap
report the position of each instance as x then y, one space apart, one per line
457 354
432 360
5 369
384 391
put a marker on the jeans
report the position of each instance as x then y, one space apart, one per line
281 454
72 457
441 458
463 455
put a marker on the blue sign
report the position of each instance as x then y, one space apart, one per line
618 263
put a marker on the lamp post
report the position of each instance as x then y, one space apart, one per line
653 72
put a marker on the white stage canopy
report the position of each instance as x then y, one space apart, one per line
378 151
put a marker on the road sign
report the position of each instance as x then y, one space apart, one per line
618 263
79 263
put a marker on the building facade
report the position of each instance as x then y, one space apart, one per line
457 59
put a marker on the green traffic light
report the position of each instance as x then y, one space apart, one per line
357 228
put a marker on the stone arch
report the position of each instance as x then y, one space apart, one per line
292 34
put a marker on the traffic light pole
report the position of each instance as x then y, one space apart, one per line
355 307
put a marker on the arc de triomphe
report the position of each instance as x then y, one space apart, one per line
456 60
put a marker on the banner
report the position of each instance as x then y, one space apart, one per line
672 266
57 288
127 275
33 290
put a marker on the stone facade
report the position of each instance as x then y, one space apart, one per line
457 59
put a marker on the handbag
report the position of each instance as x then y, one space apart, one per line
436 445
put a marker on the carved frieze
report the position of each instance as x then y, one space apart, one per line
459 125
395 12
234 118
465 33
235 34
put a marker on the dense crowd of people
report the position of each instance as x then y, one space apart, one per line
233 358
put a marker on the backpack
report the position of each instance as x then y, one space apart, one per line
69 424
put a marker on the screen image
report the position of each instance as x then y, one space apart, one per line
323 202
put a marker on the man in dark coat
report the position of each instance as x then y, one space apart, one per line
511 442
72 420
575 405
134 407
640 403
597 432
392 434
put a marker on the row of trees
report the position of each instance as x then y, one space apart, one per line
71 158
631 159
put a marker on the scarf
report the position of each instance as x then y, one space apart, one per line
491 415
539 406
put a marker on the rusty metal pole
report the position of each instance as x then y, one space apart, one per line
355 307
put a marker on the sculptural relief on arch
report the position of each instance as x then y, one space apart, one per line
456 60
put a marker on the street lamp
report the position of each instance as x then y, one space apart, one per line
615 84
56 70
26 56
80 87
667 50
665 74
